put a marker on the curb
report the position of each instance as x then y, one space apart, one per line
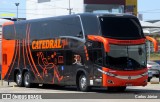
155 82
14 86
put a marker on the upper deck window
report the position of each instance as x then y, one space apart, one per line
121 28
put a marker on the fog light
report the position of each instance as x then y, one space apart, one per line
145 81
110 82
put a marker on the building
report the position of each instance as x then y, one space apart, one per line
49 8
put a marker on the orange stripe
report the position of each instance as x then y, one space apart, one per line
8 48
8 23
30 62
155 43
85 48
28 55
19 52
31 54
16 50
38 61
23 54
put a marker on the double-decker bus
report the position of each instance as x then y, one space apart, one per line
86 50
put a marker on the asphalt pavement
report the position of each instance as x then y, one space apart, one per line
149 93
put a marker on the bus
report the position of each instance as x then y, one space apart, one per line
83 50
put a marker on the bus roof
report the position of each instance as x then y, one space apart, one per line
81 14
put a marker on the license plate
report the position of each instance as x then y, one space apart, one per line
129 85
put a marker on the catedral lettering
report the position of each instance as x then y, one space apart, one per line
46 44
83 50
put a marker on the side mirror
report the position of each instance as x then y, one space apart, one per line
155 43
80 35
100 39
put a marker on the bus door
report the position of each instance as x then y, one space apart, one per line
96 54
68 67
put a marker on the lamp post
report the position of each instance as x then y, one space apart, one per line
70 9
17 4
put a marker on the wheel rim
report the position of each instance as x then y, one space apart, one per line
83 82
19 78
26 79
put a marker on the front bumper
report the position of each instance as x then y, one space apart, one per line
125 78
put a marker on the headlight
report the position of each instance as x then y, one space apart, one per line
107 73
110 74
144 74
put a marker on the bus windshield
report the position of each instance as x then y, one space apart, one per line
126 57
121 28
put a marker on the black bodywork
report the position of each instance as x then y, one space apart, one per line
42 63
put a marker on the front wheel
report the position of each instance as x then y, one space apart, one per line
27 82
83 83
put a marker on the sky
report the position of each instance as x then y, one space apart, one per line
149 8
9 9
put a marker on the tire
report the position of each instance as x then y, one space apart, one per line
121 88
19 80
117 89
149 79
83 83
111 89
26 79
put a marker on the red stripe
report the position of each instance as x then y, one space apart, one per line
126 42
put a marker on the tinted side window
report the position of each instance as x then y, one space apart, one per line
90 25
98 58
55 27
70 26
95 53
20 31
40 30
